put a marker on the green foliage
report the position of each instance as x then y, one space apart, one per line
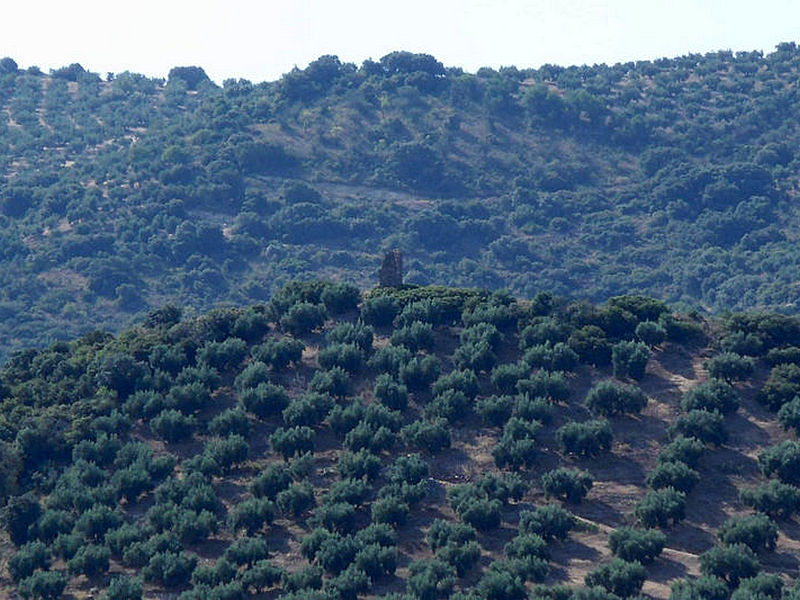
701 588
251 515
303 318
430 579
687 450
418 373
639 545
763 585
782 386
292 441
712 395
344 356
517 445
608 398
629 359
651 333
730 367
279 353
731 563
545 384
757 532
783 460
550 522
571 485
173 426
776 499
432 436
659 508
589 438
619 577
708 427
677 475
43 585
415 336
89 560
390 393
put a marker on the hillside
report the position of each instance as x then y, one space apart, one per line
418 443
674 177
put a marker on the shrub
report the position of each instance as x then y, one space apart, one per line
416 336
272 480
279 353
608 398
303 318
687 450
391 394
389 360
451 405
701 588
589 438
173 426
708 427
545 384
462 557
308 410
533 409
640 545
463 381
629 359
789 415
620 577
29 557
223 355
410 469
757 532
124 587
763 586
782 459
730 367
292 441
351 491
251 515
89 560
571 485
376 561
339 298
261 576
713 395
355 465
494 411
660 507
676 475
651 333
730 563
432 436
504 377
418 373
501 585
591 345
19 514
782 385
505 487
334 382
379 311
430 579
776 499
334 516
558 357
43 585
390 510
442 533
296 499
477 356
231 421
345 356
479 512
550 522
517 446
265 400
247 551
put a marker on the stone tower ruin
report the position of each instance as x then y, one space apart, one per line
391 273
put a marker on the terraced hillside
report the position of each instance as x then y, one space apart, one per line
427 442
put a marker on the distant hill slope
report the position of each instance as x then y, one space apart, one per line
674 177
425 442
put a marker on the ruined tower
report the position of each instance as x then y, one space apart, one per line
391 273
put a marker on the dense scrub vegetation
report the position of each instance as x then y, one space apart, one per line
674 177
304 452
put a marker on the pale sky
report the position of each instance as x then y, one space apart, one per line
260 40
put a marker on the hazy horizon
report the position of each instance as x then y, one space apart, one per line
260 41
